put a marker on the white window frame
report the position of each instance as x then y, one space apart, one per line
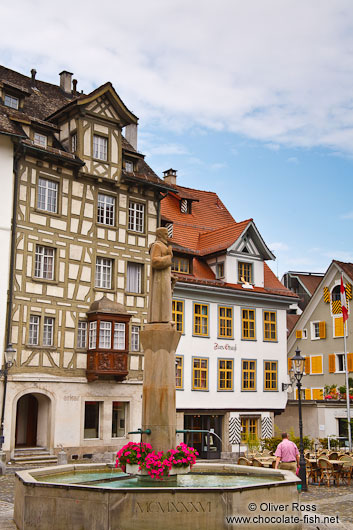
313 328
48 331
40 139
104 273
92 335
106 209
305 334
82 334
34 330
47 195
100 147
105 334
44 262
135 338
129 166
74 143
11 101
134 285
119 336
136 217
100 404
337 363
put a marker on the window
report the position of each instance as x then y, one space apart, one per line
82 334
104 268
106 209
248 429
244 272
178 371
136 216
305 394
92 335
178 314
340 362
33 337
48 331
338 327
135 338
270 325
248 324
185 206
316 364
40 140
220 270
169 227
47 198
100 147
318 393
225 374
91 425
134 277
199 373
73 143
105 334
11 101
225 322
44 263
119 336
248 376
201 319
118 419
180 265
315 330
129 166
270 375
336 294
305 334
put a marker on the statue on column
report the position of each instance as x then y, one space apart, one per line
162 282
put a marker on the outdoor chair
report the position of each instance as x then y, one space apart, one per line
257 463
312 471
333 455
244 461
328 472
347 469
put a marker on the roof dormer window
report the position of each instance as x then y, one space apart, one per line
185 206
129 166
11 101
40 139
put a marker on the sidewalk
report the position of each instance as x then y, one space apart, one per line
329 501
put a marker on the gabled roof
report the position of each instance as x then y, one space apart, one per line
347 268
309 280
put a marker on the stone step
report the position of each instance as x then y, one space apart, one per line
34 458
53 460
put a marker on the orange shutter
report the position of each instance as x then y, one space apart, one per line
307 365
316 364
322 330
308 393
298 334
339 327
289 364
350 362
318 393
332 363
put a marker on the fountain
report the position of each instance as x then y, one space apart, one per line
100 497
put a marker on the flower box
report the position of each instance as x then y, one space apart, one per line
175 470
133 469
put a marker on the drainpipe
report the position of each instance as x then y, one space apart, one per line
9 347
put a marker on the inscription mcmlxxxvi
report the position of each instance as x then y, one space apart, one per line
172 507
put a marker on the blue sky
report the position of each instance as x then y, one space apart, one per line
253 100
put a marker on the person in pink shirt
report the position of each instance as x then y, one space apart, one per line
287 454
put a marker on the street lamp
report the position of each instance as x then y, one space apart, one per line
285 386
298 366
10 353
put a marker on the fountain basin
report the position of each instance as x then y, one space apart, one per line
98 497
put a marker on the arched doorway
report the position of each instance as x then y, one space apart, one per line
32 421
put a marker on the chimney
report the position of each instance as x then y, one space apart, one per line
74 87
131 134
33 74
170 176
65 81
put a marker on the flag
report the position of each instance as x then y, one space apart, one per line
343 302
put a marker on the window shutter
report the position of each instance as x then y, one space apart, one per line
332 363
307 365
308 393
326 295
316 364
289 364
350 362
349 291
322 330
318 393
298 334
339 327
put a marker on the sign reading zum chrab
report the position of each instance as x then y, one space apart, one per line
173 507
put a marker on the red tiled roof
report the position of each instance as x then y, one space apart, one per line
221 238
310 281
346 267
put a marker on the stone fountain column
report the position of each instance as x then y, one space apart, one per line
160 340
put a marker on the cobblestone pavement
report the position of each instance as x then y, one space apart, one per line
329 501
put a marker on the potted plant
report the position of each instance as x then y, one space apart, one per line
182 459
131 457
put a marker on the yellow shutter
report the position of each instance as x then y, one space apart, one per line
307 365
332 363
349 291
326 295
308 393
318 393
298 334
322 330
316 364
289 364
339 327
350 362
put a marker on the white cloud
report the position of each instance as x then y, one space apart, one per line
348 215
279 72
278 246
168 149
293 160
